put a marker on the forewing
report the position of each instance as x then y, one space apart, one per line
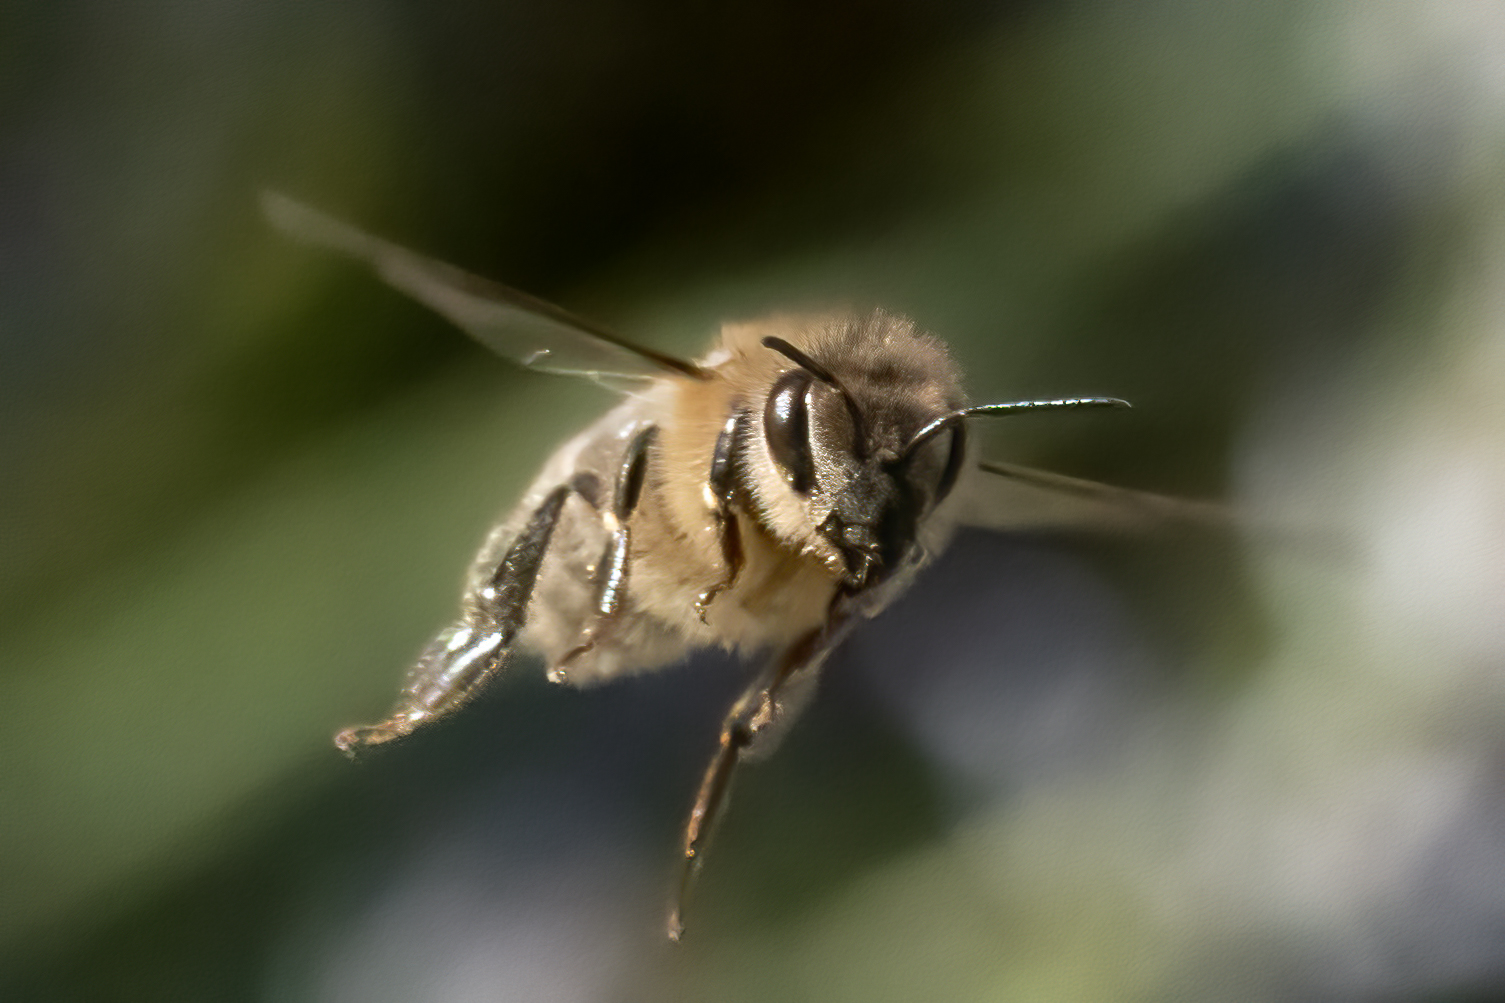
523 328
1007 496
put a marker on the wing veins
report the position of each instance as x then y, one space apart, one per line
474 304
1120 505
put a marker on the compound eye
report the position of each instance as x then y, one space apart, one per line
786 426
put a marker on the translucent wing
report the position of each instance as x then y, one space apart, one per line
513 324
1011 497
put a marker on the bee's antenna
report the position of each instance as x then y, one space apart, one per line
935 428
820 372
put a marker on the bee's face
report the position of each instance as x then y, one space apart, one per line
837 426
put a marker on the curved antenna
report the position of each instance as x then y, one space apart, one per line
820 372
935 428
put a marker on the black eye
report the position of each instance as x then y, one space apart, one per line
786 425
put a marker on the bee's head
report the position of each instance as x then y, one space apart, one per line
836 468
861 437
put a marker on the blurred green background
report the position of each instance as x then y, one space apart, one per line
241 481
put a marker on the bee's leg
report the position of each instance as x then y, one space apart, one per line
766 705
611 569
465 656
721 485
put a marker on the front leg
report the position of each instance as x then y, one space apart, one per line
721 487
760 710
611 569
463 658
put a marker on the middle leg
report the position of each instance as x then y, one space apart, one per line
612 568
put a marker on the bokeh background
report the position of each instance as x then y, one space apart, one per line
241 480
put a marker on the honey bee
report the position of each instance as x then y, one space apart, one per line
765 497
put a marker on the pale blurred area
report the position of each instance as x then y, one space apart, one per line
242 480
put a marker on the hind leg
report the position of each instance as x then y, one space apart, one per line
464 657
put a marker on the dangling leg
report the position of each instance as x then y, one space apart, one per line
465 656
611 569
757 712
721 486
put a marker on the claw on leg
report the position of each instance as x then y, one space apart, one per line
351 741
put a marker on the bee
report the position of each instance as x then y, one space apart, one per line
766 497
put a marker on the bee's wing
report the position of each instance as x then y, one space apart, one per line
513 324
1006 496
